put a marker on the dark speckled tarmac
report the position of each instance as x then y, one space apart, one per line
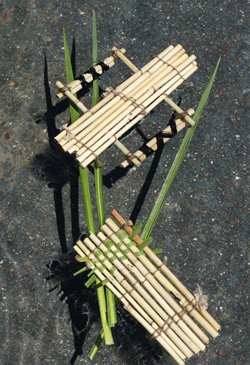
204 225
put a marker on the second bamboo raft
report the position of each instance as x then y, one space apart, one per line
148 290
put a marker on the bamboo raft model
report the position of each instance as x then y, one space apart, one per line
148 290
126 105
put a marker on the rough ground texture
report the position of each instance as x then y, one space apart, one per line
203 227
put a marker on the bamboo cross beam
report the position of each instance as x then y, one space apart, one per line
118 53
129 303
176 107
73 98
88 76
154 143
128 154
181 292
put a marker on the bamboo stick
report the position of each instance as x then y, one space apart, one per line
153 143
159 293
187 118
118 131
183 292
120 88
138 313
126 152
76 85
111 107
69 94
129 110
119 54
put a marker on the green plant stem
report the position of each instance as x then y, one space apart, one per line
107 312
99 193
177 161
103 310
86 198
111 305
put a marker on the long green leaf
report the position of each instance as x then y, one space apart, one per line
107 309
69 76
86 198
178 160
74 116
95 99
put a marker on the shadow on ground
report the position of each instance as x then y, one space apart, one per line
132 342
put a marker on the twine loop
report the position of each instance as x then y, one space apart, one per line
70 135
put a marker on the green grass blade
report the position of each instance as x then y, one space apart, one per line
74 116
99 194
178 160
81 270
70 77
156 251
94 39
86 198
95 99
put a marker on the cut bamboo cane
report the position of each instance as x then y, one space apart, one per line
120 88
153 143
126 152
130 110
69 94
119 54
110 108
76 85
187 118
135 289
127 120
163 297
183 294
126 298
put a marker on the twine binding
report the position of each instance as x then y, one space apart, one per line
70 136
123 96
93 72
169 64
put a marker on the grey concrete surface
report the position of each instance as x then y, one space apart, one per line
204 224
